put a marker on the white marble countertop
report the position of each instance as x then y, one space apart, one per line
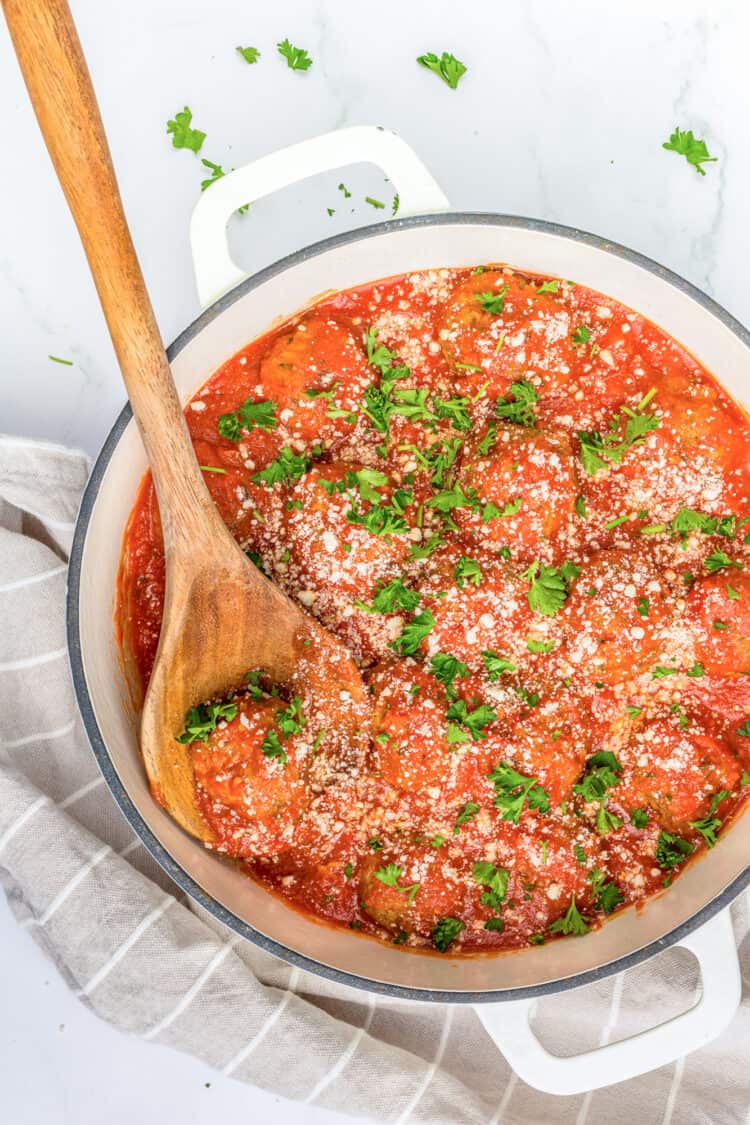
560 116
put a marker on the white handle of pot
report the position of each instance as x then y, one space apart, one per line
215 272
714 947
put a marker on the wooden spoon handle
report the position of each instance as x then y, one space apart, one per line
59 85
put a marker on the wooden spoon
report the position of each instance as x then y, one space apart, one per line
222 617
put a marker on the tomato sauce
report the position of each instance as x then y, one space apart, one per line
523 508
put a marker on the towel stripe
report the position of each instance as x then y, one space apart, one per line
93 784
18 824
194 989
431 1070
260 1035
39 736
32 579
68 889
123 950
346 1055
33 661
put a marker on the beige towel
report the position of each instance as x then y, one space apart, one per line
150 962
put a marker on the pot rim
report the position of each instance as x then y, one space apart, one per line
90 495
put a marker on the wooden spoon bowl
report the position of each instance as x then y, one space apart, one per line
222 617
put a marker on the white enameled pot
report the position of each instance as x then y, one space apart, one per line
238 308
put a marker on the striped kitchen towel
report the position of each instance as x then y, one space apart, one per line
153 964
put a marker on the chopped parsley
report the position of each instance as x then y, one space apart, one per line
493 302
720 560
182 133
601 450
445 933
640 817
249 54
571 923
518 405
391 596
709 825
470 809
246 417
549 586
608 895
671 850
496 665
744 729
549 287
447 67
464 724
467 570
447 668
414 633
287 466
514 790
290 721
601 774
694 150
539 646
496 881
202 720
296 57
390 875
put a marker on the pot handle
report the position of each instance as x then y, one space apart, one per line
714 947
215 272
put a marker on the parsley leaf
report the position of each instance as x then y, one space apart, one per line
467 570
393 595
390 875
424 550
608 895
447 67
249 54
296 57
202 720
414 633
600 451
519 407
496 665
539 646
461 721
694 150
581 336
445 932
601 774
470 809
571 923
549 287
719 560
495 879
447 668
290 721
548 586
183 136
640 817
246 417
671 850
514 790
493 301
287 466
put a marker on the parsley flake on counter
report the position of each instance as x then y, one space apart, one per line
246 417
571 923
296 57
447 67
202 720
182 133
514 790
347 193
445 933
694 150
249 54
375 203
57 359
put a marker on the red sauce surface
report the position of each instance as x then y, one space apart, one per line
557 505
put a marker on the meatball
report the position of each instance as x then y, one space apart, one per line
250 779
674 764
717 612
317 550
405 886
529 479
551 743
313 369
613 616
497 326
